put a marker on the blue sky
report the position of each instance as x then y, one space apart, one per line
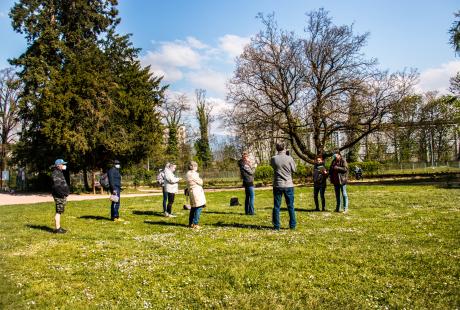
194 43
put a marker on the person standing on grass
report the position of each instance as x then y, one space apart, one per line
283 166
196 192
319 182
247 174
161 181
171 188
60 191
338 173
115 188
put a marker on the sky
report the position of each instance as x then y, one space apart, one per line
193 44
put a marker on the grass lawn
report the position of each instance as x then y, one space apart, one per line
398 247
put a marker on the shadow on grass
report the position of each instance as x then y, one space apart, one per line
41 227
306 210
165 223
240 225
221 212
156 213
95 217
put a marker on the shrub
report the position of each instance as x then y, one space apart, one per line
264 173
303 171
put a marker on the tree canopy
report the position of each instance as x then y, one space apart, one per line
86 97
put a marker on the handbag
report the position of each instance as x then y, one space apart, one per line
114 198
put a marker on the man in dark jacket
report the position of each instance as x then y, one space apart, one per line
115 188
338 173
60 191
247 174
319 182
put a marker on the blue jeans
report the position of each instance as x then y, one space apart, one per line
289 197
249 200
165 199
194 216
319 190
341 188
115 205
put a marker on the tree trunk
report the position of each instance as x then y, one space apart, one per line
85 180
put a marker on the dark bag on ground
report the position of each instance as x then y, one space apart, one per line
234 202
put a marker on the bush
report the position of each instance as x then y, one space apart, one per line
263 173
303 171
368 167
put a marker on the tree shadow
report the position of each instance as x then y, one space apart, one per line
240 225
95 217
156 213
160 223
41 227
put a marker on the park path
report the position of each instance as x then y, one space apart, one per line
30 198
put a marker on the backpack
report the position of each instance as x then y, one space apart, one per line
104 181
161 178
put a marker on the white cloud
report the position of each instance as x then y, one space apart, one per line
209 80
195 64
438 78
232 44
3 15
195 43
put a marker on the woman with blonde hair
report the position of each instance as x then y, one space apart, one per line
196 192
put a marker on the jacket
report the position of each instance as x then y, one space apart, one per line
247 173
114 179
283 166
320 175
171 182
60 189
195 189
342 172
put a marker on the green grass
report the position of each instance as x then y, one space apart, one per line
399 247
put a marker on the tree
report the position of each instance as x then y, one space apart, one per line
86 96
307 87
10 87
173 111
454 32
455 85
203 114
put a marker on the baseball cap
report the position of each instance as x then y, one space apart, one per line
60 162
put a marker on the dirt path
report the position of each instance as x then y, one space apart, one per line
30 198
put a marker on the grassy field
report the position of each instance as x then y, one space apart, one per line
398 247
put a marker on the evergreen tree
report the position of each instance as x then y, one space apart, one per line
86 96
203 114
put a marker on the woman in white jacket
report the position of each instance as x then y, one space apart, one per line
171 188
196 192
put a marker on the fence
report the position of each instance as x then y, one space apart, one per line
211 177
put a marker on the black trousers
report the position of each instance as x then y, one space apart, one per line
319 190
170 202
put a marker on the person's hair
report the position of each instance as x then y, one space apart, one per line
279 146
192 165
244 154
319 156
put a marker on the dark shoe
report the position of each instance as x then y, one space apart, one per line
317 209
324 210
337 210
60 230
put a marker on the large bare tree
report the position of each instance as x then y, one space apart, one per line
312 87
173 113
10 87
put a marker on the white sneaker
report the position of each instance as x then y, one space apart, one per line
172 215
166 214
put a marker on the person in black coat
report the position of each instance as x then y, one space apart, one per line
319 182
60 191
115 188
